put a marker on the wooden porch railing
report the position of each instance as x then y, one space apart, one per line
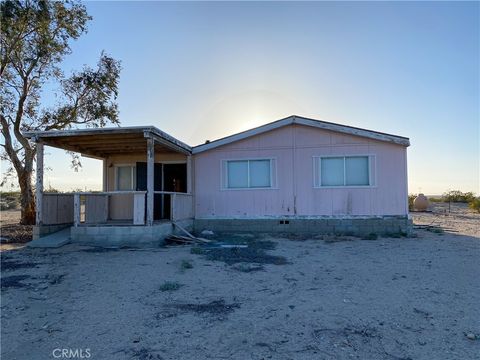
93 207
181 205
57 208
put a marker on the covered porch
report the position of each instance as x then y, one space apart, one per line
146 182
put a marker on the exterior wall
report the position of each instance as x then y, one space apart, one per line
294 147
121 206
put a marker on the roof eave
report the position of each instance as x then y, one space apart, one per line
146 130
399 140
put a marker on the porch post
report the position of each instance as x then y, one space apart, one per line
76 209
150 179
105 178
189 174
39 185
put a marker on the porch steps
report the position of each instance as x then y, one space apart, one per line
54 240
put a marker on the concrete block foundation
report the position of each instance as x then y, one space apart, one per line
133 236
148 236
355 226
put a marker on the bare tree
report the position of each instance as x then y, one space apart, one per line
35 38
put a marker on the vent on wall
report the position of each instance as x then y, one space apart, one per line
284 222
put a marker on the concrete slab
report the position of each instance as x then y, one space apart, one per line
54 240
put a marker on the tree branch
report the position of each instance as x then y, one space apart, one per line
18 118
9 146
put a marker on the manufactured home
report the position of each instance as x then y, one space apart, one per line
293 175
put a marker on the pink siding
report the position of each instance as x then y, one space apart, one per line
294 147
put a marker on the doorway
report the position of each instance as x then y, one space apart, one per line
175 180
167 177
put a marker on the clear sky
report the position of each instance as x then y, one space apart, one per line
204 70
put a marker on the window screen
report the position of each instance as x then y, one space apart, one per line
356 171
332 171
259 173
237 173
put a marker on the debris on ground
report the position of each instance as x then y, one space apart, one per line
248 268
231 246
244 255
471 336
213 307
184 240
232 250
9 264
434 228
188 239
14 281
170 286
16 233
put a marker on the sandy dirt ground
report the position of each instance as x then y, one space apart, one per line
336 298
8 217
11 231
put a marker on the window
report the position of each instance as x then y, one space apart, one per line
356 171
125 179
260 174
237 173
248 174
331 171
342 171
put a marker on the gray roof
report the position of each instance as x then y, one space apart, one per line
101 141
74 139
294 119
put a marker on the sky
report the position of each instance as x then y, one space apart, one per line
203 70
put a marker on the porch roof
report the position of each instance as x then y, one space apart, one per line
102 142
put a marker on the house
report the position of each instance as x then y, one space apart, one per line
292 175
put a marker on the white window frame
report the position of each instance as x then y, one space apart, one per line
133 175
317 173
224 174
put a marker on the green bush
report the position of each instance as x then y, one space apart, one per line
411 197
436 230
9 200
186 265
197 251
458 196
51 190
475 204
170 286
371 236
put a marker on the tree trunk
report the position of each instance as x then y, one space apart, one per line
27 199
